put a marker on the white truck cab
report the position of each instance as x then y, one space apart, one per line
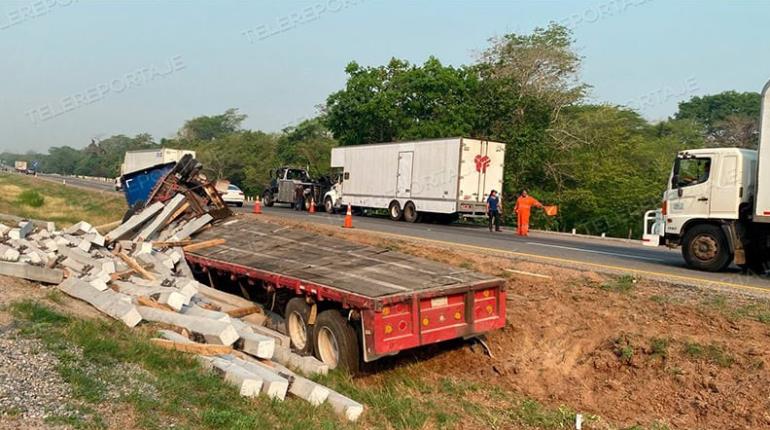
710 208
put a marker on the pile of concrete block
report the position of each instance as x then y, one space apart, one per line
137 272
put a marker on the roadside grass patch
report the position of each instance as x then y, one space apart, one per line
756 309
623 285
403 398
659 347
711 353
30 198
105 363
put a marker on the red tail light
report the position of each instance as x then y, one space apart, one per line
664 207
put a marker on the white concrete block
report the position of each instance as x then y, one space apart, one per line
344 406
107 301
257 345
214 332
273 385
305 389
248 384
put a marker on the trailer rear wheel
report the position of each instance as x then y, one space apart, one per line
704 247
410 213
336 342
297 315
394 211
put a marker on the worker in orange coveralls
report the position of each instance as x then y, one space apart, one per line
523 209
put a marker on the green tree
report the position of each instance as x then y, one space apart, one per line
212 127
400 101
307 144
729 118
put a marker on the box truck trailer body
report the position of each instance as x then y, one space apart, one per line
135 161
451 177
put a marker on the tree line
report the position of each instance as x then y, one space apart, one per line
603 164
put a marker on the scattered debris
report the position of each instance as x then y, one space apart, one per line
137 272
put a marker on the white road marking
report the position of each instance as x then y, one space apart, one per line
617 254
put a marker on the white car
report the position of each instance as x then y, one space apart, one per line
233 195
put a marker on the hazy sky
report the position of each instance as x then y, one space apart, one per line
71 70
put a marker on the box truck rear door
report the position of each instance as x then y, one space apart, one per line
404 183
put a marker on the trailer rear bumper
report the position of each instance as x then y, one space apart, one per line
432 319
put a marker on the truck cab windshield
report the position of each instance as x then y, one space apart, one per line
297 174
691 171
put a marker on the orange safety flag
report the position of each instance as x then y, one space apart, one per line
551 210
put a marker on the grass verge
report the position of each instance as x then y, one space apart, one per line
30 197
110 367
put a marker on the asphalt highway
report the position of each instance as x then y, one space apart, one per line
597 254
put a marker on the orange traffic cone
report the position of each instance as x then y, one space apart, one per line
312 206
257 206
348 218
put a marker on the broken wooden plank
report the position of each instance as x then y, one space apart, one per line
203 245
171 243
242 312
146 301
192 347
136 266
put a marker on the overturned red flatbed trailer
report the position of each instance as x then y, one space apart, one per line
389 301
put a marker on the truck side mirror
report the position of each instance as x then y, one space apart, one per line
675 181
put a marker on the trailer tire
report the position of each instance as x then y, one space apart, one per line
394 211
335 342
410 213
267 199
296 319
705 247
329 205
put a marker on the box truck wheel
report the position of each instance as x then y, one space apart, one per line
329 205
296 318
410 212
267 199
394 211
705 247
335 341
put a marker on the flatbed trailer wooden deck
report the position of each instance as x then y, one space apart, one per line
401 301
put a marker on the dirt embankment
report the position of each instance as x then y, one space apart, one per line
629 351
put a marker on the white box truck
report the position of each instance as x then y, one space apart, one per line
439 179
717 205
135 161
20 166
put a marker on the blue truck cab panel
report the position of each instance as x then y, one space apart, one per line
138 185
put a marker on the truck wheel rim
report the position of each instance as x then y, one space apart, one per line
394 211
328 350
297 330
705 248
